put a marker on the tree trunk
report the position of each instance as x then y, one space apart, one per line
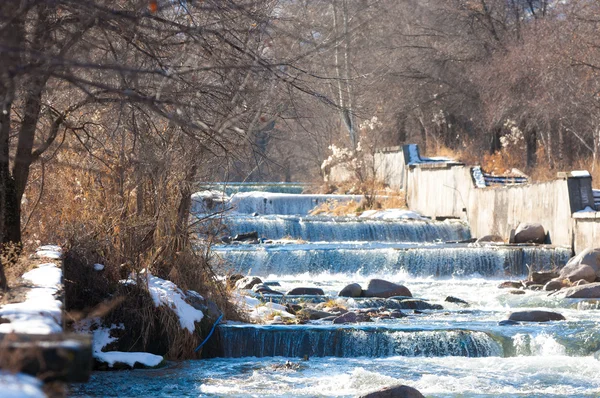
531 142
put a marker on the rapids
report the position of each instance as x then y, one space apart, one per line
460 351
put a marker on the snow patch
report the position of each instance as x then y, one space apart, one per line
49 251
259 311
102 338
580 173
129 358
40 313
20 386
393 214
167 293
45 275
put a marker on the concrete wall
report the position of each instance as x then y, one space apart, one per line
390 168
439 190
388 165
447 190
587 231
498 210
443 190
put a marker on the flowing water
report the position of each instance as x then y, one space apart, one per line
459 351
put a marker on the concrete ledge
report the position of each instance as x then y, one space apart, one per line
588 215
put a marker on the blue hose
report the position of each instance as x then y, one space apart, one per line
210 333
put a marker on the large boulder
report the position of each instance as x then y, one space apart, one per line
589 291
384 289
585 265
394 392
535 316
351 290
306 291
247 282
530 233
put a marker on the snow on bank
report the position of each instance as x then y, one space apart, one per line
20 386
167 293
393 214
49 251
40 313
102 338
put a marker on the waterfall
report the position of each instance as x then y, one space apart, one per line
438 260
298 341
265 203
343 229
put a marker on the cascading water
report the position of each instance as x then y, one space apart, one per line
370 258
353 342
459 351
347 229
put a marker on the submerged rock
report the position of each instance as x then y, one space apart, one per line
351 290
535 316
456 300
312 314
530 233
304 291
416 304
264 289
395 392
517 292
507 322
490 238
384 289
510 285
351 317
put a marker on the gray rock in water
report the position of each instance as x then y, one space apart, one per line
303 291
395 392
456 300
351 317
530 233
490 238
510 285
248 236
264 289
591 290
384 289
248 282
507 322
517 292
312 314
351 290
535 316
416 304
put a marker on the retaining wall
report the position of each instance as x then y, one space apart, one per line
443 190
